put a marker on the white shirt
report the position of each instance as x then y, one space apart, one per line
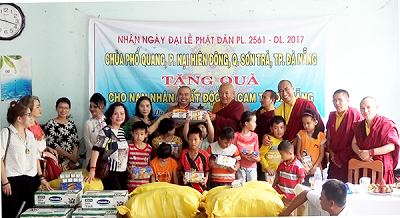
91 130
17 162
313 198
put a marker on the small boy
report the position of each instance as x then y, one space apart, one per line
164 167
138 157
223 148
167 135
269 155
193 164
289 173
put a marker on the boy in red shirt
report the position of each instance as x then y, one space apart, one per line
194 161
290 172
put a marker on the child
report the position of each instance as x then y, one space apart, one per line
164 167
194 162
207 131
138 156
310 142
247 143
290 172
223 148
269 155
167 135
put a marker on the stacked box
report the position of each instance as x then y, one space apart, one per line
58 198
196 115
104 200
80 213
71 180
48 212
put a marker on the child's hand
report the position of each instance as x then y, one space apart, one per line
253 158
231 169
204 182
312 170
185 181
206 116
270 171
188 118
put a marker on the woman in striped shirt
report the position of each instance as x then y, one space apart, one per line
116 116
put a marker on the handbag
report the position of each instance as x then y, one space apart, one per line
103 164
51 168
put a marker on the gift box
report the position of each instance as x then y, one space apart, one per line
48 212
58 198
71 180
142 172
225 161
106 199
194 177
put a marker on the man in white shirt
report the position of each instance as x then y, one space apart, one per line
332 199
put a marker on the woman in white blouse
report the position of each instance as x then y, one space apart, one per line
19 161
93 125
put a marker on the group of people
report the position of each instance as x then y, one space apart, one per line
284 145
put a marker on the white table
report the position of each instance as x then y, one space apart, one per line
361 203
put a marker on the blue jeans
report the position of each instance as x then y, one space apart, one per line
248 174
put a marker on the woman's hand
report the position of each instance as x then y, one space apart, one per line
7 189
166 115
312 170
91 175
45 185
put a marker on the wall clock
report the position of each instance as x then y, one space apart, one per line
12 21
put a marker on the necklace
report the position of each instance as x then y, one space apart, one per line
26 148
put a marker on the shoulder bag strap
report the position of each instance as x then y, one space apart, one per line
109 134
8 145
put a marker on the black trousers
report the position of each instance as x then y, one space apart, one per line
116 181
22 189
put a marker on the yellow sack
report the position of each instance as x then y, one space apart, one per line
96 185
255 199
161 200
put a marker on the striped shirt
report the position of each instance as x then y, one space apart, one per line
138 158
289 176
119 158
222 174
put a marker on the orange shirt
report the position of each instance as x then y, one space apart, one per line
163 174
310 144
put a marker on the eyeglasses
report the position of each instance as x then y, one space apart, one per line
63 108
28 114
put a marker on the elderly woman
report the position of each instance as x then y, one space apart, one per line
62 135
19 161
94 125
116 116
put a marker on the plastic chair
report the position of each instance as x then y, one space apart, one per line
355 165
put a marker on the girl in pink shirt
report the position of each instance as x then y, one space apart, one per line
247 143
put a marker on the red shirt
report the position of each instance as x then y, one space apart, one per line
289 177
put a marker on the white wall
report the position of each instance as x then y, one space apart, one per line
365 50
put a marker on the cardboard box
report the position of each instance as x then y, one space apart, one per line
58 198
107 199
48 212
80 213
71 180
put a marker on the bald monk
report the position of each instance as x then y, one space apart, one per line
340 135
376 138
226 111
184 96
291 110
